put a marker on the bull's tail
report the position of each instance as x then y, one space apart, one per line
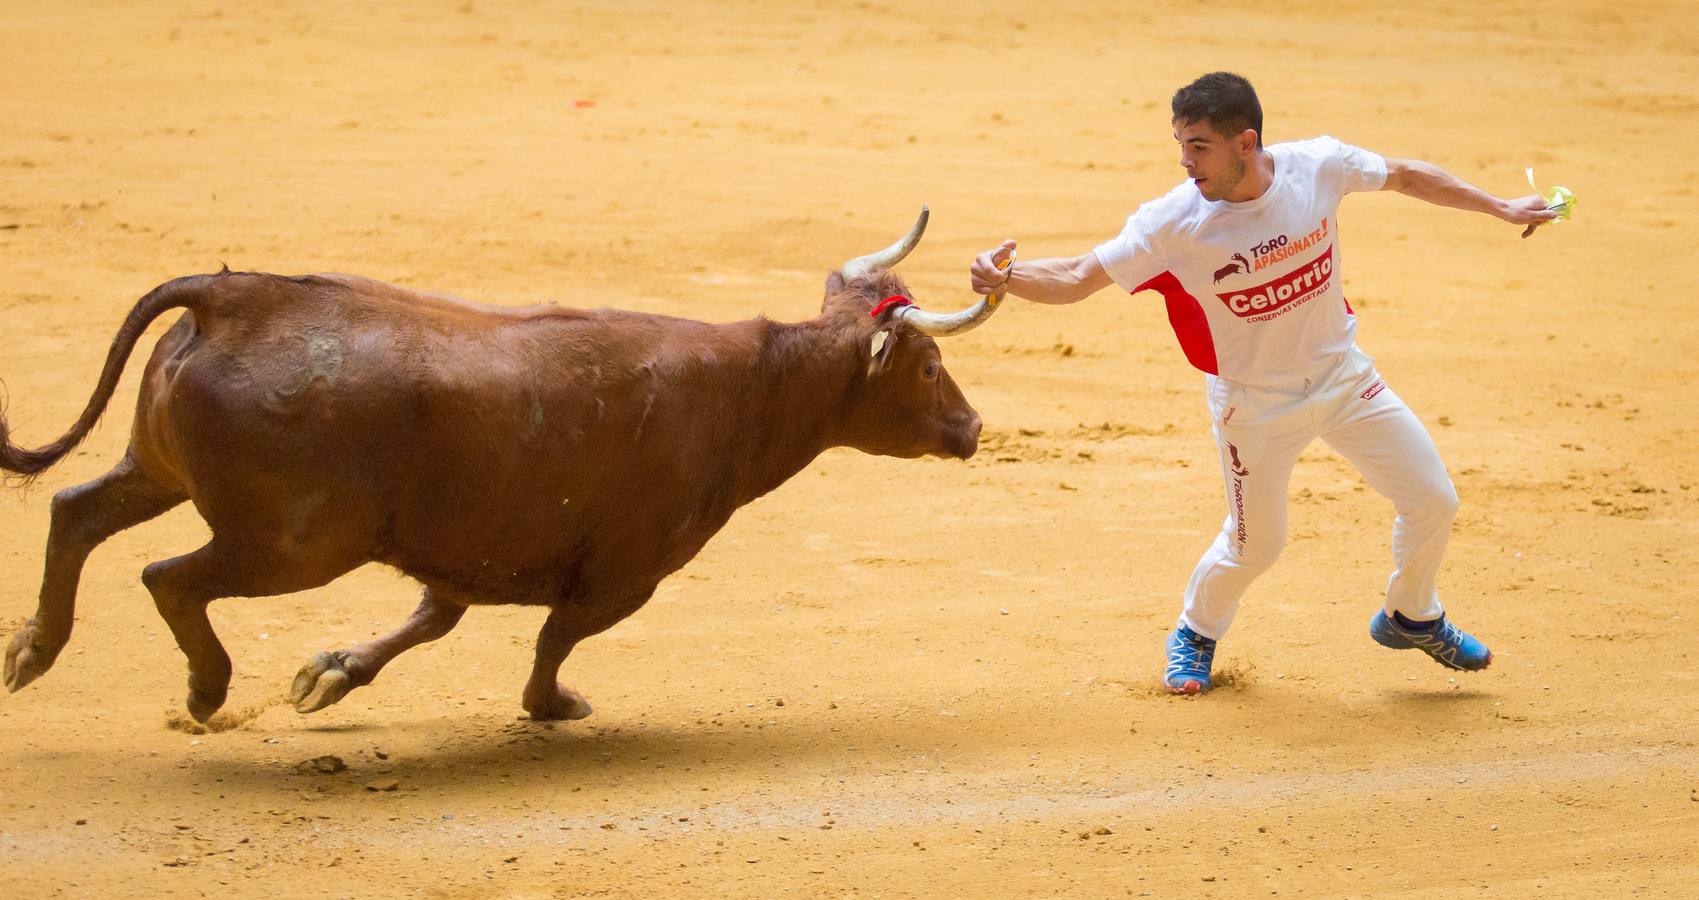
25 465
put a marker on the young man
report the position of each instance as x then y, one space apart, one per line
1245 254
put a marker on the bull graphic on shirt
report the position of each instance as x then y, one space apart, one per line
1241 264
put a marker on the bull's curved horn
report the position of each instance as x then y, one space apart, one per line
889 256
947 324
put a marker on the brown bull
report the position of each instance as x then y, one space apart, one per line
555 457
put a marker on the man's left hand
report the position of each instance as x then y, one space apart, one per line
1530 211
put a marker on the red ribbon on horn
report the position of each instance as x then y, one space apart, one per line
888 302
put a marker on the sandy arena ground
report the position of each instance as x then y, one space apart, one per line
890 677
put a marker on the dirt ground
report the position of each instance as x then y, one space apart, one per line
891 677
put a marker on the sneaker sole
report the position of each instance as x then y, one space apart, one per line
1405 645
1186 688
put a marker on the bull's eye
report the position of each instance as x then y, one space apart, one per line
931 370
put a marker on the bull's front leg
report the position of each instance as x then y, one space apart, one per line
330 675
545 698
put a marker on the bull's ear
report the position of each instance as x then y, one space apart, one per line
834 287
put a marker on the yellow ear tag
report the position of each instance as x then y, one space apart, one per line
878 342
1561 200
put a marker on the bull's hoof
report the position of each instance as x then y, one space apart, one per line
565 703
26 657
203 702
321 682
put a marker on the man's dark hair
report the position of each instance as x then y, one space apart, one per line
1225 101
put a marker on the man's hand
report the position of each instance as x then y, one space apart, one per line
987 277
1060 280
1530 211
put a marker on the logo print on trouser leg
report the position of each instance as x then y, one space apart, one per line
1240 534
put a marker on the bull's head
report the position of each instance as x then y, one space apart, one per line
903 403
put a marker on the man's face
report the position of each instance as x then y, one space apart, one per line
1214 161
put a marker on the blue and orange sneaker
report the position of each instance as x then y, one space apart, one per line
1190 656
1449 645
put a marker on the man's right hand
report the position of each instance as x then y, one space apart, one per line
987 276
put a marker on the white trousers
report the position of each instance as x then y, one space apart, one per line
1261 430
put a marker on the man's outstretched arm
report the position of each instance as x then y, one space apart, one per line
1426 181
1040 280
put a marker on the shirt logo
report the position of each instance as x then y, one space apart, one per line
1239 264
1271 251
1281 247
1282 295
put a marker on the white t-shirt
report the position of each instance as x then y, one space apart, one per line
1253 288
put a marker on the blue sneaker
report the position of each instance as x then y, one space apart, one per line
1451 646
1190 656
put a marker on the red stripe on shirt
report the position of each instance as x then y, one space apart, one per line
1186 317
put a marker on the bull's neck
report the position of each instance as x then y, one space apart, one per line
801 376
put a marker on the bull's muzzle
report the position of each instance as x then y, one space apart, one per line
964 446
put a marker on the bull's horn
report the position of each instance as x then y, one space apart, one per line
947 324
889 256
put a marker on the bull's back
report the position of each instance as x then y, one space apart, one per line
511 453
295 404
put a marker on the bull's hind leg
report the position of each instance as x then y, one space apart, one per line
184 585
546 698
83 517
329 676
